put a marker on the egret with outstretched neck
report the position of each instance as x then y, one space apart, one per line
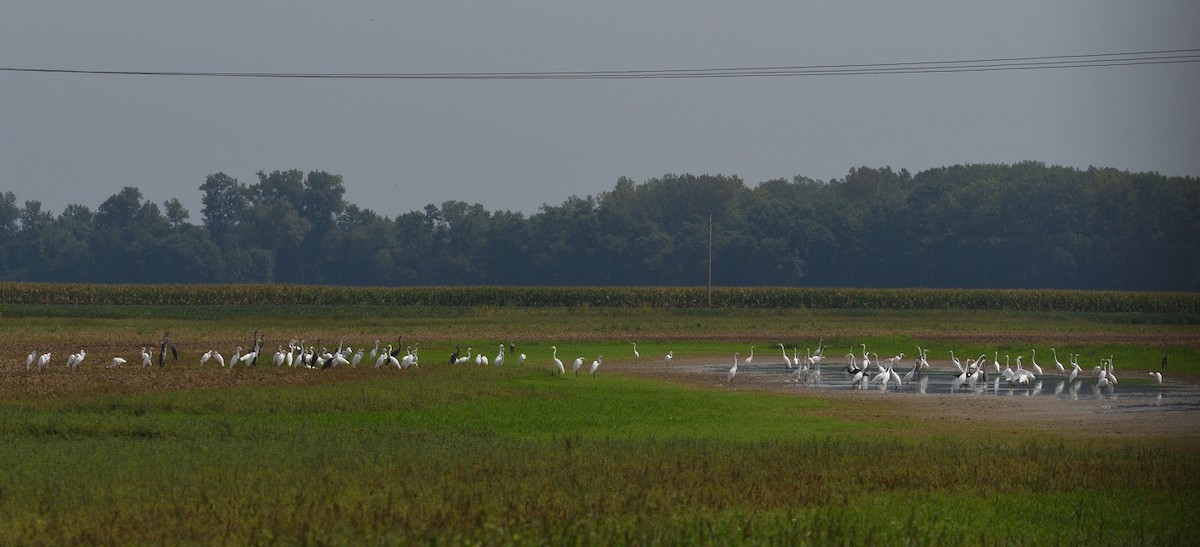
558 365
732 370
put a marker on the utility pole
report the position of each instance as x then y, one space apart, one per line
710 259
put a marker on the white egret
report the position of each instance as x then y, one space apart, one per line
853 366
71 360
1157 377
595 365
358 357
521 359
1033 362
1058 364
145 358
43 360
116 362
30 359
220 358
786 361
558 365
732 370
576 364
750 358
667 359
636 355
499 360
464 359
383 357
957 363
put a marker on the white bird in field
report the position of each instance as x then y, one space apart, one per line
576 364
786 361
237 356
732 370
145 358
43 360
248 357
76 359
636 355
750 358
383 357
205 357
595 365
1033 362
409 359
391 360
220 358
499 360
280 356
483 359
1058 364
957 363
667 359
116 362
464 359
374 352
521 359
358 357
1157 377
558 366
30 359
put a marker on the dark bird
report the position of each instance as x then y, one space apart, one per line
256 343
162 350
454 356
396 352
1163 365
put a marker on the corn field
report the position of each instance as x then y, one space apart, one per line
601 297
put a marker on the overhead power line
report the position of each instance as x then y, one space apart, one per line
1045 62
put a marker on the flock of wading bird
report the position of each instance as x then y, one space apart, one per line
807 369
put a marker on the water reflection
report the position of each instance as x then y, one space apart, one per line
936 382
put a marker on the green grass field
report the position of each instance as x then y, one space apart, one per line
514 455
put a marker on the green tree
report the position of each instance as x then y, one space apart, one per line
225 201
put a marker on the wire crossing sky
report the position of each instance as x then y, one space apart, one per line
517 104
924 67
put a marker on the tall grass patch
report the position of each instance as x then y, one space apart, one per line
488 455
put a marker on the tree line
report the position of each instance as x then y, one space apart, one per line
1025 225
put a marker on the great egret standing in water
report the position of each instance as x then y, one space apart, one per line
732 370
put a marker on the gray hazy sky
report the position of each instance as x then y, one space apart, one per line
401 144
